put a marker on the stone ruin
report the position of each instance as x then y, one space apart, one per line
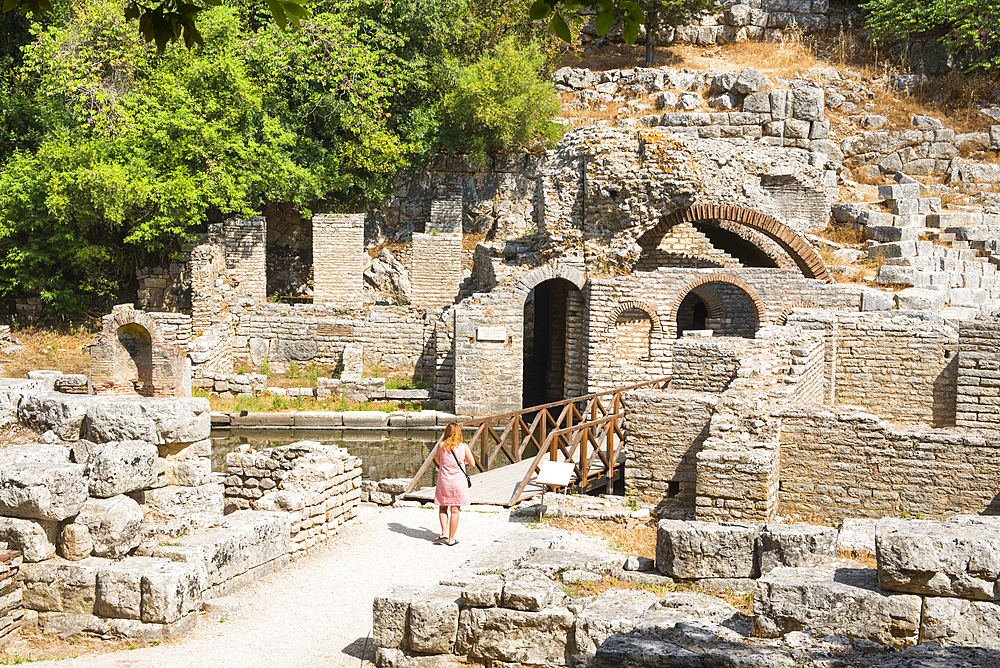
120 527
519 602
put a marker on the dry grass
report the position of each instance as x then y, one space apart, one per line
33 646
865 558
844 234
49 349
632 537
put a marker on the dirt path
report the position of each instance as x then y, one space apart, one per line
318 611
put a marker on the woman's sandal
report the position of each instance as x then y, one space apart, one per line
454 542
441 539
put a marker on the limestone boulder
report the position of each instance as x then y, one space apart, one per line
685 608
515 636
692 550
483 592
120 468
60 413
390 610
530 590
155 591
114 525
157 421
34 453
959 557
841 597
615 611
42 491
956 621
75 542
794 545
36 539
433 619
56 585
175 502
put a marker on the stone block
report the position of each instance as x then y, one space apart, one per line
157 421
705 549
750 81
899 191
876 300
895 249
75 542
884 234
794 545
889 274
171 591
42 491
808 104
758 103
36 539
614 612
175 501
433 619
113 523
483 592
921 299
366 419
60 413
956 621
959 557
390 611
515 636
119 587
838 598
120 468
530 590
57 585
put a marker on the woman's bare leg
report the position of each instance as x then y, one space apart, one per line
443 518
454 523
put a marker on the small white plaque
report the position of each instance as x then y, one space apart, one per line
491 334
555 474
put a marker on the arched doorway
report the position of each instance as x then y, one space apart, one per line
137 369
725 305
546 318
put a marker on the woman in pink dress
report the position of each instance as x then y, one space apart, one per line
452 491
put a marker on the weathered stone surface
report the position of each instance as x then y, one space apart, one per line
66 624
615 611
34 453
389 613
60 413
705 549
794 545
553 561
433 620
36 539
120 468
75 542
956 621
687 608
61 586
807 104
921 299
483 592
517 636
114 525
959 557
857 534
530 590
838 598
157 421
750 81
245 540
171 591
119 587
174 501
42 491
627 652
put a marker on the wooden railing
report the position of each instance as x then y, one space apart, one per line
585 430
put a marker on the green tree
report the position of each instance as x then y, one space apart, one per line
500 103
968 27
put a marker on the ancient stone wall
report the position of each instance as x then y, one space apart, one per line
210 292
339 259
978 391
489 350
394 338
165 289
901 365
841 462
11 610
246 256
664 433
317 486
436 268
705 364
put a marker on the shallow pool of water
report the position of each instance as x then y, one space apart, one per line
384 453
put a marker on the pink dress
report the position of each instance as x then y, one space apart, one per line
452 488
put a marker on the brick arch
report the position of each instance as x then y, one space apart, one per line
539 275
716 308
805 256
642 306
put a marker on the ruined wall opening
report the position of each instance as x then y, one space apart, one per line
632 332
137 367
545 330
722 306
703 244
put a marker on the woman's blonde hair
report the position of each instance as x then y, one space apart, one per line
451 438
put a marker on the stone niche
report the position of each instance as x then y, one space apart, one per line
132 357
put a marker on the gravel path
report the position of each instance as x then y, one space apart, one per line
318 611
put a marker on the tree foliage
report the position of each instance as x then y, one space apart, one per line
968 27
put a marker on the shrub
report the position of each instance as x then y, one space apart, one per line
501 103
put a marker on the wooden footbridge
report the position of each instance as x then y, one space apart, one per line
510 449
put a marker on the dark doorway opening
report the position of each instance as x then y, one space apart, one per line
138 366
691 314
545 327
